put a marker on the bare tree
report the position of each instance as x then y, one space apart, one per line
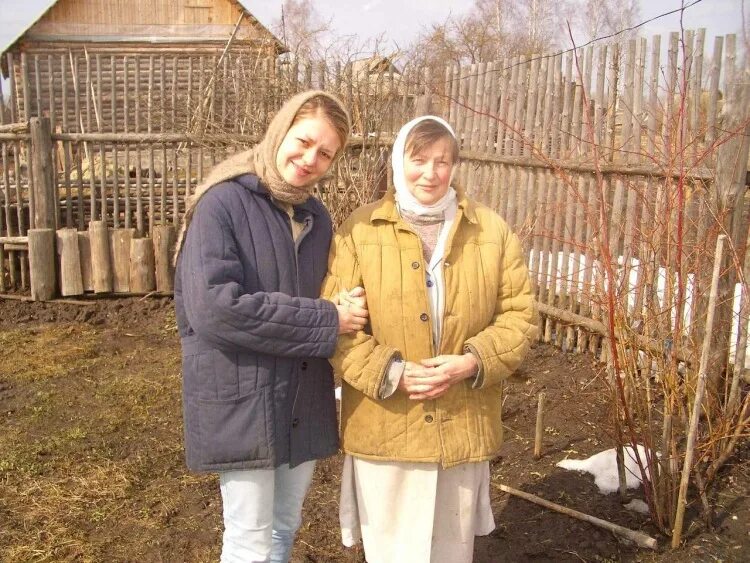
598 18
493 30
304 31
435 47
538 25
477 36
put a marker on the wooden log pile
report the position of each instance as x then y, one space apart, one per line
102 260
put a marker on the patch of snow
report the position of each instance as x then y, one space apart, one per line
603 466
637 505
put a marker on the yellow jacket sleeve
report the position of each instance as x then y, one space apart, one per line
359 359
504 343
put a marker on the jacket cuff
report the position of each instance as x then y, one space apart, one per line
394 371
332 337
479 377
374 374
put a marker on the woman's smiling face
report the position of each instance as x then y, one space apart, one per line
307 151
428 172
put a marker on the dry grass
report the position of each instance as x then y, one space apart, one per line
91 464
32 355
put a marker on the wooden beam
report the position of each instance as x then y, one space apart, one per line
598 328
639 538
14 240
14 128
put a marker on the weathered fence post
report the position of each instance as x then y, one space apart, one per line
727 204
3 227
539 434
2 269
101 272
42 235
43 174
142 278
706 352
164 241
42 263
71 279
84 248
120 248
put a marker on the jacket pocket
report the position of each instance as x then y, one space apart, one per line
234 430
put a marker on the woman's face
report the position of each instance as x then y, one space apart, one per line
307 151
428 172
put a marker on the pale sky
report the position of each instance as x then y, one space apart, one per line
401 20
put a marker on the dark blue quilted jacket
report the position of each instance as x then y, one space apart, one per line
257 388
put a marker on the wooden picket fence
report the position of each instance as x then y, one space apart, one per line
583 153
588 148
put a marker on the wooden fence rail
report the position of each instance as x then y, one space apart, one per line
626 155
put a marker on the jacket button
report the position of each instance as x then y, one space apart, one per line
428 418
429 283
304 365
295 423
415 265
424 317
446 264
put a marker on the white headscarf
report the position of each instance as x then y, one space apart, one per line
406 201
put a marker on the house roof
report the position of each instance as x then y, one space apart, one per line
373 65
280 47
25 29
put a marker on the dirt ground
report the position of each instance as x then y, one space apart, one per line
91 465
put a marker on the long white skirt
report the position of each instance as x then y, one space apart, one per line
415 512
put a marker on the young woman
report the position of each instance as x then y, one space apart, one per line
258 393
451 316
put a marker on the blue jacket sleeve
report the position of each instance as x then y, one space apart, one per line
221 313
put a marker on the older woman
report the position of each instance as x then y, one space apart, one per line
451 316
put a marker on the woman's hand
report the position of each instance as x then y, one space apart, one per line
420 382
432 377
352 308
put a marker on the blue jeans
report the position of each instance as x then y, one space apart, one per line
262 512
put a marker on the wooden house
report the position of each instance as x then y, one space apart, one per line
375 68
381 87
103 65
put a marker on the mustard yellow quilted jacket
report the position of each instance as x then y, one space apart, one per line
488 308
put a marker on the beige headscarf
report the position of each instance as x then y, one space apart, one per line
259 160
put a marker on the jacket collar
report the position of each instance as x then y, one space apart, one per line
254 184
387 210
